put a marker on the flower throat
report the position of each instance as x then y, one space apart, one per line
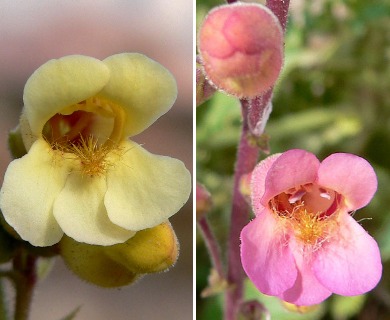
309 211
75 131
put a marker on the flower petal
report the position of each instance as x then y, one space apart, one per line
293 168
258 177
60 83
143 189
79 210
144 88
350 263
351 176
266 256
30 186
307 290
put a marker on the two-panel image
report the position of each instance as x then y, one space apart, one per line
208 159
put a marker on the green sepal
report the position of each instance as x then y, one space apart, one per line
15 143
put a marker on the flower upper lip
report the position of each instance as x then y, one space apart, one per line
298 167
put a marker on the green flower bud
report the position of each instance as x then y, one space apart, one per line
149 251
90 263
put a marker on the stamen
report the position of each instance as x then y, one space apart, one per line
310 228
74 134
92 156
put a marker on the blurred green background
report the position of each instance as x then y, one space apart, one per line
333 96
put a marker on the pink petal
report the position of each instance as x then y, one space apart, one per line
307 290
351 176
258 181
265 255
350 263
293 168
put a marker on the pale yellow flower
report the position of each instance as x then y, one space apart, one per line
81 175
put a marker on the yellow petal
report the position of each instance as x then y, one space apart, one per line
149 251
30 186
60 83
80 211
142 87
91 264
143 189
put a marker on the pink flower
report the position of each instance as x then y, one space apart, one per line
303 244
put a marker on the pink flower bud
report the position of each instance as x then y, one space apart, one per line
241 46
203 201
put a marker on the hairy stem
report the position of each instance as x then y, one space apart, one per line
280 9
246 160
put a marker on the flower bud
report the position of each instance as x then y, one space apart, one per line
241 47
253 309
90 263
203 201
149 251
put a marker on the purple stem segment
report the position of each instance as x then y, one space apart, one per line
246 160
212 246
280 9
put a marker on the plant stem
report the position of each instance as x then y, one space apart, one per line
212 246
280 9
246 160
25 265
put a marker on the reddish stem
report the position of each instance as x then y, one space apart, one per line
212 246
280 9
246 160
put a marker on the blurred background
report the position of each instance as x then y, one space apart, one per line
33 32
333 96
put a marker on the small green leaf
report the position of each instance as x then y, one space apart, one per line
72 315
